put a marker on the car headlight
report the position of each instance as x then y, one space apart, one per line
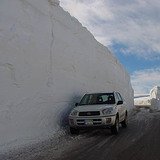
107 111
74 112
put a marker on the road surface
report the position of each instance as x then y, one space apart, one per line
140 141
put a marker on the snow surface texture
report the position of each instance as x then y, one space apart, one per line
155 98
151 100
48 61
142 100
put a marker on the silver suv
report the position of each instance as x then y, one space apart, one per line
99 110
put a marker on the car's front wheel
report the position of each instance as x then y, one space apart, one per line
74 131
115 128
125 122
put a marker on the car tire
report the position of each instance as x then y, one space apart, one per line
115 128
125 122
74 131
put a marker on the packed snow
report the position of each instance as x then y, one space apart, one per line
151 100
142 100
48 61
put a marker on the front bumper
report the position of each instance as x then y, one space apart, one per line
91 122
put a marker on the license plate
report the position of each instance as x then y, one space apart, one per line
88 122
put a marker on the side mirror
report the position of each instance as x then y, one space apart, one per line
76 104
119 102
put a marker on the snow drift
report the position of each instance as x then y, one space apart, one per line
142 100
48 60
151 100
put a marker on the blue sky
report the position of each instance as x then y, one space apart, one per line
131 31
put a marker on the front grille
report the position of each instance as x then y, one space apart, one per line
89 113
81 122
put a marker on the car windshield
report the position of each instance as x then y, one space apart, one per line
100 98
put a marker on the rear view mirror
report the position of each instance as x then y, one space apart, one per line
119 102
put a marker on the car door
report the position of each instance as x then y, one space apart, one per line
121 108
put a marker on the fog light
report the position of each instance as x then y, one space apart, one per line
71 121
108 120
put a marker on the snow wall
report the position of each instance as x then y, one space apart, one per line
155 98
48 61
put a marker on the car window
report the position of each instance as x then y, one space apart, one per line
101 98
119 97
116 96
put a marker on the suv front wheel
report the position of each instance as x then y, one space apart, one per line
74 131
125 122
115 128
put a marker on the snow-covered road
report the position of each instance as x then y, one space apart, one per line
141 140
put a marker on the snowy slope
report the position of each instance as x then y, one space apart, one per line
48 60
142 100
151 100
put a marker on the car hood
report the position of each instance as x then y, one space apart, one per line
93 107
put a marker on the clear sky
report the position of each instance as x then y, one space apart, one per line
131 31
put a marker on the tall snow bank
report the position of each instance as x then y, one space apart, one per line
155 98
47 62
155 92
